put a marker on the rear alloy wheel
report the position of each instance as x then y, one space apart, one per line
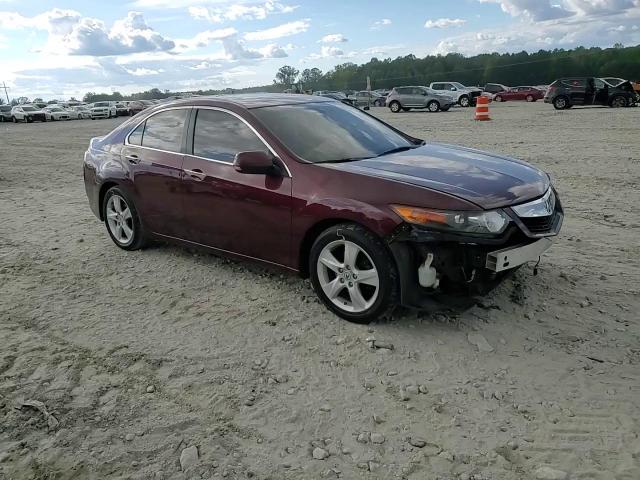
498 98
122 220
619 102
530 98
433 106
353 273
560 103
464 101
395 107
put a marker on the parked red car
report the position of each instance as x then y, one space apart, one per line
530 94
374 216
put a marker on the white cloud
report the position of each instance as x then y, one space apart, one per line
284 30
328 51
445 23
143 72
70 33
535 9
203 39
334 38
235 50
577 30
540 10
379 24
239 11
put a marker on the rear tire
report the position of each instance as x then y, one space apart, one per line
433 106
395 107
530 98
122 220
14 119
358 252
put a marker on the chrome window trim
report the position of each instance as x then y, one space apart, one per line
266 144
203 107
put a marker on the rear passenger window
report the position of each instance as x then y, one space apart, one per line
219 136
135 137
163 131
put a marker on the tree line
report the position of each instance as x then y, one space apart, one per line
522 68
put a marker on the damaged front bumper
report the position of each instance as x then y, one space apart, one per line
465 264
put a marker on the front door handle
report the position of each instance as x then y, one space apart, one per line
196 174
133 158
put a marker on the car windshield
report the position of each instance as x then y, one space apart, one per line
28 109
457 85
330 132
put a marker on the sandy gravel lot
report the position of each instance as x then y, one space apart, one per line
143 357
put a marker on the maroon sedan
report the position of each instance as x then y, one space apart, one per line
530 94
374 216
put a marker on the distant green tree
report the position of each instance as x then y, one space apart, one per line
310 76
286 76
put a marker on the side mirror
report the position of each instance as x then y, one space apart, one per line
257 163
453 89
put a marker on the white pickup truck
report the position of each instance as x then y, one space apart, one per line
464 96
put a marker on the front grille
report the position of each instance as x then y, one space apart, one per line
538 225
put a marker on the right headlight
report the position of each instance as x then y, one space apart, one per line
492 222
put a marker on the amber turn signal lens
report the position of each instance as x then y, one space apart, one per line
419 215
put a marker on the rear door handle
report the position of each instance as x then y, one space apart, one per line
133 158
196 174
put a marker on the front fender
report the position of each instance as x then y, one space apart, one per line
378 219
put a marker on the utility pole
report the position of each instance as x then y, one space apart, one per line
5 88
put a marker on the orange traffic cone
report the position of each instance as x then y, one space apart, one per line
482 108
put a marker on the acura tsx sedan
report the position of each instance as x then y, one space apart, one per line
374 217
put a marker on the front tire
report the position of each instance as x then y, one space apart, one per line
122 220
561 103
353 273
498 98
464 101
395 107
530 98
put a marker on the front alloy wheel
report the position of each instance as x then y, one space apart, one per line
353 273
395 107
464 101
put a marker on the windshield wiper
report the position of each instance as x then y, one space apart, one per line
400 149
344 160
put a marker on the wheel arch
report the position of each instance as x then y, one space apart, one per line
103 190
316 229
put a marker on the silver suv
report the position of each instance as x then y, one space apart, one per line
406 98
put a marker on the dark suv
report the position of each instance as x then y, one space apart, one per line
5 113
567 92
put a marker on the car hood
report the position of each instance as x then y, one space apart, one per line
485 179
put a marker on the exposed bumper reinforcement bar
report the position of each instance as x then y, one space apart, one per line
511 257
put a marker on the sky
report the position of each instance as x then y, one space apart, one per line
62 48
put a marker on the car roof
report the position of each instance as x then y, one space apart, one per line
250 100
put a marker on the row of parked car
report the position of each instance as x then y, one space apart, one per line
43 112
441 96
